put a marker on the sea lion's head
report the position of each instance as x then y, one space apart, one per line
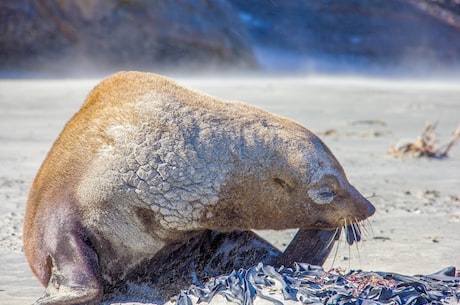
299 185
329 195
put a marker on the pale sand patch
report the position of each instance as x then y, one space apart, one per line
415 229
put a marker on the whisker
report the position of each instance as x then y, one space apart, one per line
348 237
349 256
358 229
356 235
359 232
353 232
346 228
372 228
333 238
369 228
350 232
365 228
338 237
359 255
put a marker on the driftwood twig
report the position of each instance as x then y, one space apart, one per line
426 145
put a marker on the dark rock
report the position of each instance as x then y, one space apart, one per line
93 35
413 33
99 34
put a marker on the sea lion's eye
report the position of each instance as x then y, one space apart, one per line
326 194
280 181
283 184
323 195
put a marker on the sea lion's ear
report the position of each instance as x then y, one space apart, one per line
283 184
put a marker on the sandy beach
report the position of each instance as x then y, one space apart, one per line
415 229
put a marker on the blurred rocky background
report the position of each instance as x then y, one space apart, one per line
70 37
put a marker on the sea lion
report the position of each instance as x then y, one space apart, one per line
146 166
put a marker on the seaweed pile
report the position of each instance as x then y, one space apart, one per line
308 284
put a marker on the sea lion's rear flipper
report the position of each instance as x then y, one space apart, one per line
72 295
309 246
75 277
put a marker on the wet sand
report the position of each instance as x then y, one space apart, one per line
415 229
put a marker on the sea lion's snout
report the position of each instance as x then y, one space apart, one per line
363 206
370 209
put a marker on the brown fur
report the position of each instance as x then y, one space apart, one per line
91 219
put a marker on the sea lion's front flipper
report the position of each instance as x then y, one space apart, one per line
309 246
75 277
